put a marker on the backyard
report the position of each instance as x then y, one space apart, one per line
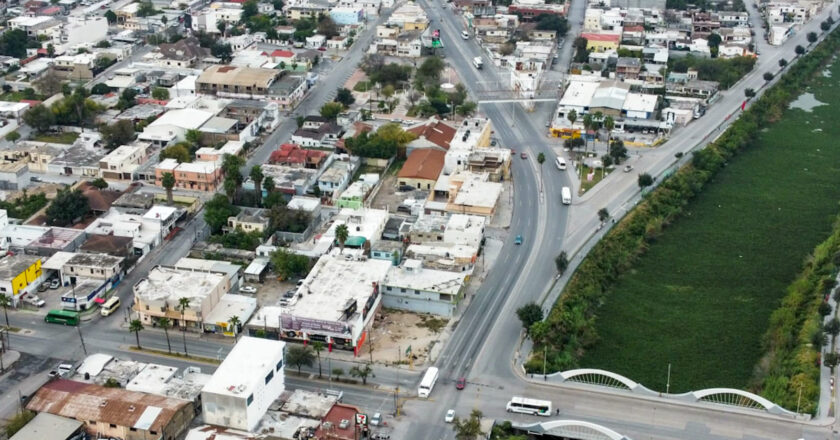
700 299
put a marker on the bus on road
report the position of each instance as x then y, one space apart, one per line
428 382
66 317
529 406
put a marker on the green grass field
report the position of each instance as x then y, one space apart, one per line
59 138
702 296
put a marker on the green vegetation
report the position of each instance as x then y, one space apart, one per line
217 211
706 290
67 207
726 71
288 264
238 239
384 144
67 137
18 421
24 206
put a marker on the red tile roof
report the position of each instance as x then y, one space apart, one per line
423 163
601 37
634 29
330 429
435 132
293 154
282 53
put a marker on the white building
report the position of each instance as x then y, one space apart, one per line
88 29
173 125
249 380
146 233
160 293
120 163
418 289
462 229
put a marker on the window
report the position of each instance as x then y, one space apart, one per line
153 432
250 400
279 365
132 429
402 290
112 425
269 377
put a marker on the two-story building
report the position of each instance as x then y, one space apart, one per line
415 288
184 296
121 163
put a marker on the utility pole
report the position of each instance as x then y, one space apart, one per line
799 399
84 349
545 353
668 382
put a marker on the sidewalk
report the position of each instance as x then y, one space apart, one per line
827 388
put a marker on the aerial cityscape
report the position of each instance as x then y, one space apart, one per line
419 220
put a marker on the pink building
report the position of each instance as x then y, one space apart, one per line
195 176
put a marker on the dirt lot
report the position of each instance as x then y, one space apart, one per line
398 330
270 290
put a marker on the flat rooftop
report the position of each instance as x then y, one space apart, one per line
307 404
94 260
231 305
163 380
173 284
334 282
244 367
579 93
411 275
12 265
477 191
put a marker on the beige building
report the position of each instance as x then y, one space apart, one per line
249 220
160 293
236 82
121 163
92 267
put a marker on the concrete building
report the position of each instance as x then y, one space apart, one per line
237 82
472 193
48 426
249 220
354 196
201 175
173 125
100 267
121 163
159 295
421 169
85 29
337 176
19 274
336 302
249 380
145 233
114 412
601 42
415 288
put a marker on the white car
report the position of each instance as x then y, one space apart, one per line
248 289
450 416
34 300
376 420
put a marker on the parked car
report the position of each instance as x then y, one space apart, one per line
43 286
628 168
460 383
376 419
248 289
450 416
34 300
290 293
55 283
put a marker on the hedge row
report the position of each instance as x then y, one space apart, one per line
569 328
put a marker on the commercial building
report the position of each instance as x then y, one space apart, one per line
145 233
100 267
173 125
114 412
336 302
48 426
201 175
159 295
472 193
418 289
121 163
249 380
236 82
17 272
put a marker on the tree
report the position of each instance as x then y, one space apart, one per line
341 235
178 152
338 372
345 97
168 182
618 151
299 356
824 309
749 93
327 27
603 214
768 76
644 180
183 305
782 62
572 117
257 176
160 93
234 326
300 120
833 327
67 207
194 137
217 211
318 347
466 109
506 49
111 16
362 372
470 428
714 44
609 124
288 264
431 68
222 51
163 20
100 89
39 117
13 136
529 314
14 43
812 37
136 326
268 184
127 99
551 22
99 183
5 303
331 110
799 50
119 133
581 53
831 359
561 262
165 323
229 186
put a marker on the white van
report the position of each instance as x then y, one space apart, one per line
110 306
566 195
478 63
465 35
561 163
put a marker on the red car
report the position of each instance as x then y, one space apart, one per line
460 383
524 155
322 49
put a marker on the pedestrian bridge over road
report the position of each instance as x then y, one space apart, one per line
572 429
719 396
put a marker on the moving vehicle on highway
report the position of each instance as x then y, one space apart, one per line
517 240
478 63
428 382
525 405
110 306
628 168
66 317
566 195
465 35
561 163
461 383
450 416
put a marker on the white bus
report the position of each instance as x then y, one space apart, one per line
566 194
428 382
529 406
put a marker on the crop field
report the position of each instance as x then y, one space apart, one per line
700 299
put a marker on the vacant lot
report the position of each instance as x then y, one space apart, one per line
701 298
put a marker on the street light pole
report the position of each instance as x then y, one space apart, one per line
668 383
545 353
84 349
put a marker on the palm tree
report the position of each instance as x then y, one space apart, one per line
572 117
5 303
341 234
234 324
165 324
257 176
136 326
168 182
229 186
588 123
318 346
183 305
609 124
268 184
